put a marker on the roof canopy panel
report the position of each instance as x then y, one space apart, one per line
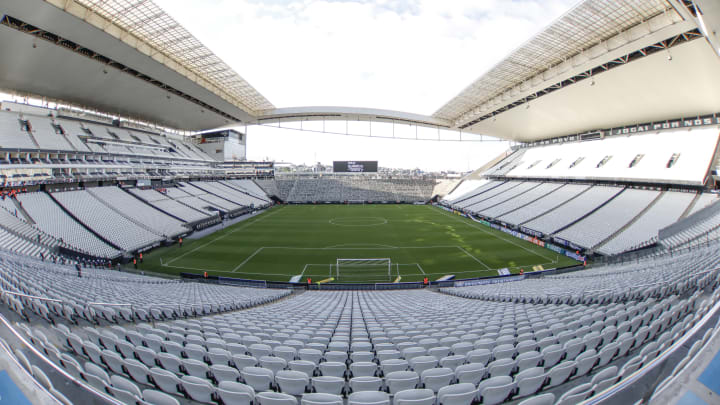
588 24
148 22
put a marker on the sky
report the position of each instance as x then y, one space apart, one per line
405 55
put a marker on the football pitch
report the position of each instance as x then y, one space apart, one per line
307 241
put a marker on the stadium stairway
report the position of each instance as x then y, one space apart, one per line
211 191
242 190
691 206
27 231
111 207
157 208
506 191
83 224
529 202
21 210
587 214
632 221
510 195
33 139
65 137
557 206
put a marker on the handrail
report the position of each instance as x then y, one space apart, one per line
32 296
54 366
28 373
600 290
642 371
689 364
109 304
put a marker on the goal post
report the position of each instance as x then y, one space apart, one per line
377 265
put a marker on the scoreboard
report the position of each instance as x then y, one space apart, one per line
355 166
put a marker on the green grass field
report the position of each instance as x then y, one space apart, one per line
307 240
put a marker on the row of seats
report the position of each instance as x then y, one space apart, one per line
482 207
522 199
700 231
336 342
118 216
114 296
113 227
249 187
137 211
657 277
13 243
664 212
229 193
608 219
53 220
57 134
210 199
353 188
572 210
175 208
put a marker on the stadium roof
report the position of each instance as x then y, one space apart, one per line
586 25
141 41
149 23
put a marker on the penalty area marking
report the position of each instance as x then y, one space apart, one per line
222 236
475 258
360 246
473 225
247 259
341 247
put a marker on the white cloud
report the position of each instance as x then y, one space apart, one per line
411 55
401 55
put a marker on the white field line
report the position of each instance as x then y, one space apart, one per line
361 246
244 262
225 271
247 259
339 247
303 271
386 247
325 264
480 227
221 237
421 269
475 258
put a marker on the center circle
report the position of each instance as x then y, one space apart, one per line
358 221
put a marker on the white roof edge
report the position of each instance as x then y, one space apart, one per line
564 45
146 27
343 113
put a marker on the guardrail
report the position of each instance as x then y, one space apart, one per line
90 389
360 286
656 362
31 296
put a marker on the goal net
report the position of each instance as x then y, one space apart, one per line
365 268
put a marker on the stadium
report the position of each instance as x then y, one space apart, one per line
145 259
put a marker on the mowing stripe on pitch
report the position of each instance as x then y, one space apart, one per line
222 236
476 259
472 225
